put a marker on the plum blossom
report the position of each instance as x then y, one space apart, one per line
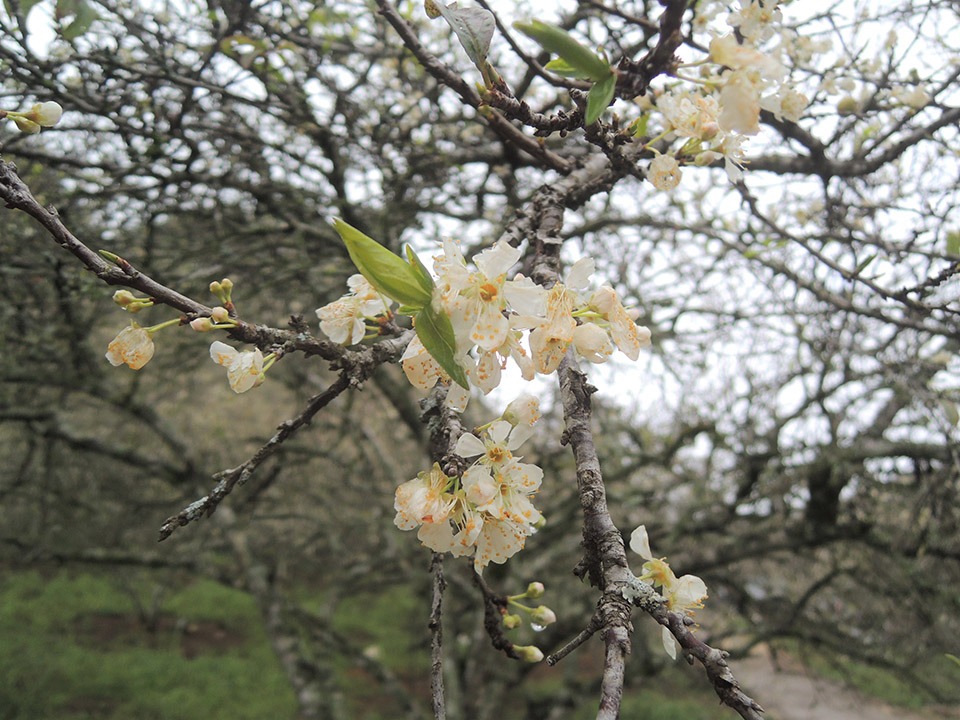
423 372
917 97
419 366
689 114
485 374
424 499
553 330
592 343
729 52
755 20
786 103
626 334
684 594
523 413
244 369
740 102
487 512
343 321
664 172
476 301
133 346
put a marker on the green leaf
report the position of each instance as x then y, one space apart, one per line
559 66
599 98
387 272
84 17
423 275
436 333
559 42
953 243
864 263
639 126
474 27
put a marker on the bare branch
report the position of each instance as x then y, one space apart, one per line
362 365
436 641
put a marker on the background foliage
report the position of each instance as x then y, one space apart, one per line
791 437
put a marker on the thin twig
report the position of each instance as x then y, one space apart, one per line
581 637
494 607
229 479
451 79
15 193
436 642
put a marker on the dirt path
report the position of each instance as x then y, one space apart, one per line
792 694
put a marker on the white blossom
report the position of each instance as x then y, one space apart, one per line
133 346
664 172
244 369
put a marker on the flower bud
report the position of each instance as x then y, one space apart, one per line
512 621
123 298
216 288
543 616
707 157
46 114
529 653
535 590
219 313
226 284
525 410
202 324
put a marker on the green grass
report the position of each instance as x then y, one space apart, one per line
387 621
59 658
51 668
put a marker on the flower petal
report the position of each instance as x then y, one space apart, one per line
640 543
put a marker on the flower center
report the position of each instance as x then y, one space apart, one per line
498 454
488 292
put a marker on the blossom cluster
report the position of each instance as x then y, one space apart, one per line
134 346
487 512
491 316
470 323
737 80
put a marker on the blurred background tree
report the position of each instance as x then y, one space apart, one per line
791 438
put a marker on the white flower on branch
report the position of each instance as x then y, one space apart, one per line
343 321
664 172
684 594
244 369
133 346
